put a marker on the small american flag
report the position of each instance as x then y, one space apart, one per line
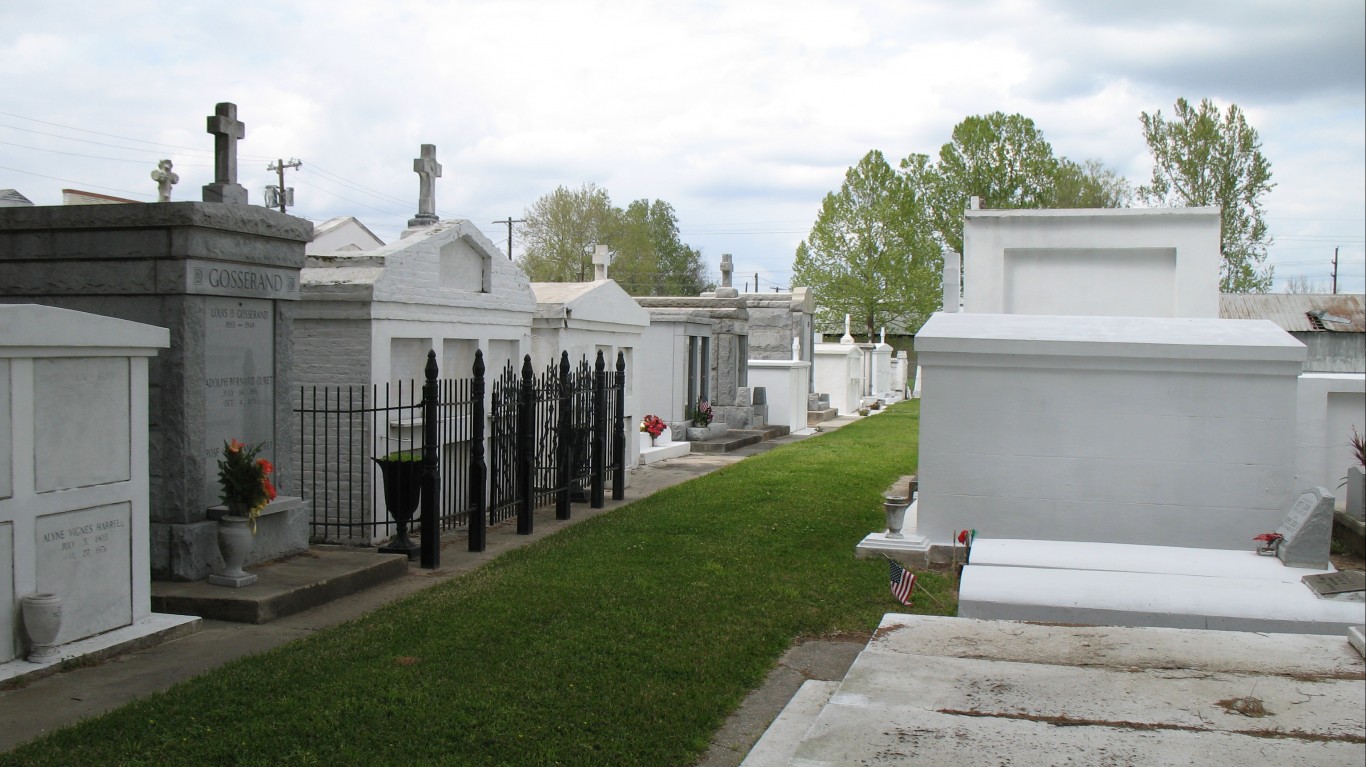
903 582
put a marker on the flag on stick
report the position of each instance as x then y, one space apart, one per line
903 582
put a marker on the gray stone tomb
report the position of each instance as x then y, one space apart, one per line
1307 530
224 280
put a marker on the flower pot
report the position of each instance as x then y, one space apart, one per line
894 506
402 492
42 622
235 541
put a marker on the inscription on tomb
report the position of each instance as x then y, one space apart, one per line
219 279
239 381
84 556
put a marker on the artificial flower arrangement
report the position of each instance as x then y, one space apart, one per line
652 425
245 480
1270 543
702 415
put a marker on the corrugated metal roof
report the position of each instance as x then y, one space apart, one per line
1291 311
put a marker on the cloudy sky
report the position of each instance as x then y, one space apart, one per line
742 115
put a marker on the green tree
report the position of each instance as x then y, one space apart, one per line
1088 184
871 252
560 231
1005 160
1203 156
650 258
563 228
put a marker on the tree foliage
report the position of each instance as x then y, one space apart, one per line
560 231
563 227
1203 156
871 252
1005 160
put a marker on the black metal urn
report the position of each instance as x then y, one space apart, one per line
402 492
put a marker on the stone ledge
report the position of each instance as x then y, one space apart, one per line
283 588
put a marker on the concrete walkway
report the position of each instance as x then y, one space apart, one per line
49 703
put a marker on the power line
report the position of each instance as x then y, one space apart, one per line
72 181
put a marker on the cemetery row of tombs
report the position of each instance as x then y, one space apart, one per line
138 339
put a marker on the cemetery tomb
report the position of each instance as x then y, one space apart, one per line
1167 432
369 318
1135 262
223 278
74 473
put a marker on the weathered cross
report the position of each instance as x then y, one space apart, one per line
165 178
428 170
226 130
726 269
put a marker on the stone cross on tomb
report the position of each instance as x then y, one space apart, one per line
226 130
428 170
165 178
726 290
846 338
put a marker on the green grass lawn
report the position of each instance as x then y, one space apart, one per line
623 640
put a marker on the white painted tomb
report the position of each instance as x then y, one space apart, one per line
584 318
1329 405
674 360
1175 432
1136 262
370 318
839 371
74 508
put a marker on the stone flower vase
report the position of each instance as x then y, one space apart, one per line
894 506
42 622
402 492
235 542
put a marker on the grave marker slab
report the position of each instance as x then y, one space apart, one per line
1307 530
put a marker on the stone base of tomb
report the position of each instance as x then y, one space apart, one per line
152 630
187 552
911 551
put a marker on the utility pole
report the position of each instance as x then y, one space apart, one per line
510 221
281 196
1335 271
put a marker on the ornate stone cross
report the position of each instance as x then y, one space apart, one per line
165 178
428 170
226 130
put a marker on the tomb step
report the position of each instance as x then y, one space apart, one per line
1109 598
814 417
779 743
733 440
652 454
282 588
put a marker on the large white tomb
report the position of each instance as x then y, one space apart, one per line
1173 432
1135 262
74 512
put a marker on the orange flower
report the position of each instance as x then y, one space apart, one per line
266 466
270 488
236 446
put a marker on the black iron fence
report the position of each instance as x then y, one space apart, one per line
554 438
